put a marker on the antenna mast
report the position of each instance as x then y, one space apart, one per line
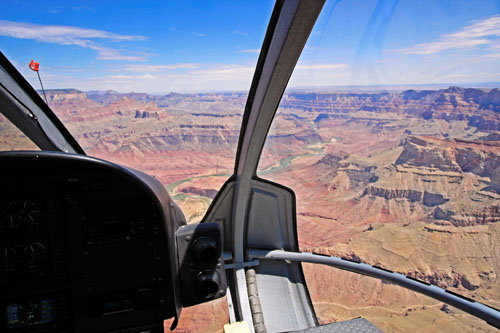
35 66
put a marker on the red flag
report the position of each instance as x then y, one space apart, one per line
34 66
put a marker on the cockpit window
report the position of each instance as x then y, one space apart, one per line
156 86
389 135
187 141
11 138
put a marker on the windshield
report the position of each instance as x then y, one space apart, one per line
388 135
156 86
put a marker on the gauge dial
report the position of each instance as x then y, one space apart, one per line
9 254
34 250
21 215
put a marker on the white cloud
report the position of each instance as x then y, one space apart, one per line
257 51
199 34
320 66
106 53
319 75
492 56
224 73
119 77
134 77
204 78
57 33
190 77
83 8
226 77
483 32
156 68
240 33
69 35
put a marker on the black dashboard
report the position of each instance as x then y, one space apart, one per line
85 246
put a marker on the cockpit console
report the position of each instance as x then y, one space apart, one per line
90 246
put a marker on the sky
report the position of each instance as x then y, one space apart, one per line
199 46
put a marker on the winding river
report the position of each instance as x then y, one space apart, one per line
315 148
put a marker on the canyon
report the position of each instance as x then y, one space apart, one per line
405 180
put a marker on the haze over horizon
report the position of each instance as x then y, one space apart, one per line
211 46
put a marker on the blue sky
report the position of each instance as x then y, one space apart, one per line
188 46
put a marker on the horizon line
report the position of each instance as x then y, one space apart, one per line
381 87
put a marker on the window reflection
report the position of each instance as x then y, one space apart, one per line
11 138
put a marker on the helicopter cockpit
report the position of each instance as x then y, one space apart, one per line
90 245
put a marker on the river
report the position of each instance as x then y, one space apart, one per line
315 148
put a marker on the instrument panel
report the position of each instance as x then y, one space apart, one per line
23 235
85 246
